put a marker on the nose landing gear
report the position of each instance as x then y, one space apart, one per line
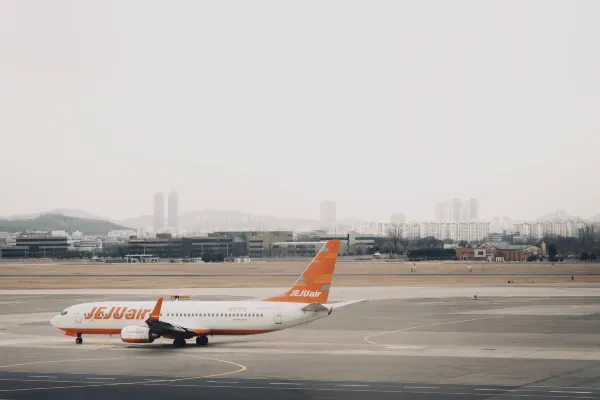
78 340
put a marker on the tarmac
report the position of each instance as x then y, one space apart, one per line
514 342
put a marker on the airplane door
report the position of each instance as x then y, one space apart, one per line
278 316
77 317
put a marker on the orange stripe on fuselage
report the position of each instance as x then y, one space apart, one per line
92 331
113 331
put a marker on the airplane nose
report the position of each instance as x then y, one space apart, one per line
54 321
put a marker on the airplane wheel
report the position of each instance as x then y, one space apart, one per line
202 340
179 342
79 340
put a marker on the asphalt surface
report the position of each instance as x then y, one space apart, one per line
420 348
97 387
370 275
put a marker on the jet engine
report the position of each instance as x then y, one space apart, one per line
138 334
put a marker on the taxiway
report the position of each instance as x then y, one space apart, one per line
502 345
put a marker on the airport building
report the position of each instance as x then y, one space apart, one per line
258 244
37 246
168 247
307 245
228 244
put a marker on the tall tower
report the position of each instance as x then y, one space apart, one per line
173 213
159 211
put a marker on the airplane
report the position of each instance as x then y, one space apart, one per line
144 322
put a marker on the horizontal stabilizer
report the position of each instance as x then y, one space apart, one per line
331 306
316 307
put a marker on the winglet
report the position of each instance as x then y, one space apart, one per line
156 311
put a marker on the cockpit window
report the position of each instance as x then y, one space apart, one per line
64 312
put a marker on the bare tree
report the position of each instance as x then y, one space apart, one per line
395 235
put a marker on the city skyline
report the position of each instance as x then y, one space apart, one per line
397 217
502 107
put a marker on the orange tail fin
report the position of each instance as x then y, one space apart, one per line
313 285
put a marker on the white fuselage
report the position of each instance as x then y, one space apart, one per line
204 317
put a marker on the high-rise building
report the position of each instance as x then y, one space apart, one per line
398 218
457 210
328 214
159 211
471 208
173 210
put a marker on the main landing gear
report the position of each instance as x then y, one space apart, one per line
202 340
78 340
179 341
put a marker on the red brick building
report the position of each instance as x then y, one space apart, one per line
497 251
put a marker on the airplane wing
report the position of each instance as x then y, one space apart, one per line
162 327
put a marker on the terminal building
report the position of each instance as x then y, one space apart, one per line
308 245
37 246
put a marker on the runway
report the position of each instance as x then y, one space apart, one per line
501 347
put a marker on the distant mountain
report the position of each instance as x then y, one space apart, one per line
552 216
58 222
141 222
69 212
220 220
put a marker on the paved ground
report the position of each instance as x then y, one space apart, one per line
410 344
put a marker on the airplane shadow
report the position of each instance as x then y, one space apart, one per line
191 343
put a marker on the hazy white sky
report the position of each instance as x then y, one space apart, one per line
271 106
